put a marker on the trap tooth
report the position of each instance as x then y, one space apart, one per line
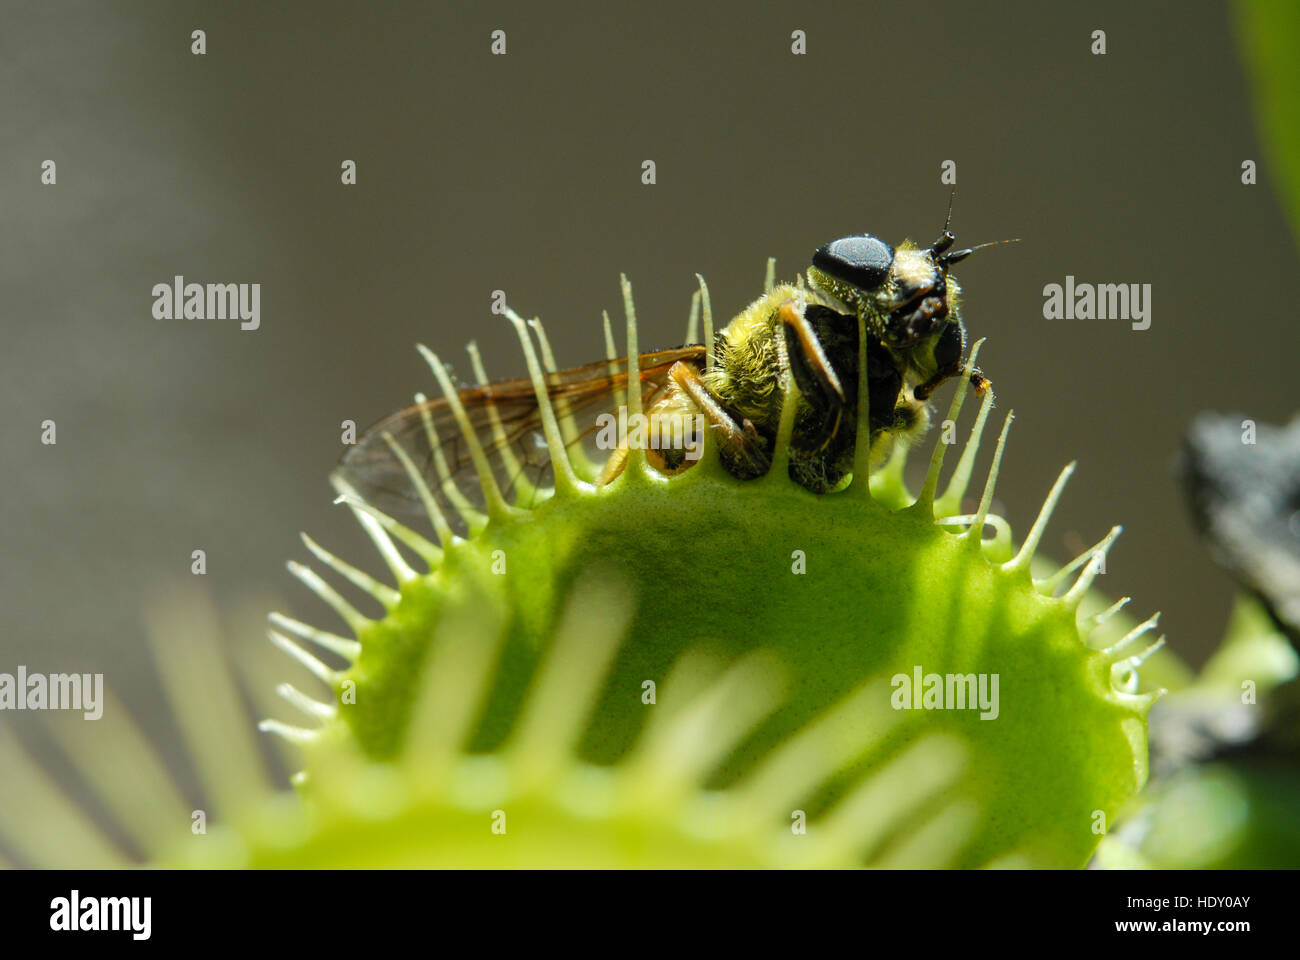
672 759
1117 652
507 453
431 508
950 501
567 687
566 481
363 581
795 769
497 507
1091 561
422 547
1145 701
935 842
1140 658
473 519
1110 611
693 321
876 808
299 736
67 839
581 463
1048 585
456 683
1124 674
349 650
611 351
1001 538
356 620
1022 559
543 344
139 802
636 459
862 438
778 472
975 534
891 475
611 354
317 667
925 501
316 709
184 633
383 543
706 307
1074 596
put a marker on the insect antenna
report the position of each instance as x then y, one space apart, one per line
946 239
948 259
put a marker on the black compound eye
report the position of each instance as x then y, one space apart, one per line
862 261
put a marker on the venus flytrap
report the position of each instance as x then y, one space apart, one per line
497 713
893 581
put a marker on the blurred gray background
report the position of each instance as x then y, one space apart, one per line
522 172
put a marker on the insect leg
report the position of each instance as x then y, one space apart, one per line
948 358
812 372
980 382
740 441
613 466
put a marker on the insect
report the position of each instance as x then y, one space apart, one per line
906 297
908 303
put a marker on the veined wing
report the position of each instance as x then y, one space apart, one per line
506 419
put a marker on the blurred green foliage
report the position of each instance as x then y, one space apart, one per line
1268 33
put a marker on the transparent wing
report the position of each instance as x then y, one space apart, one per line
506 419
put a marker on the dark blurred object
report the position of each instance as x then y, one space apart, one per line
1225 751
1242 480
1243 484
